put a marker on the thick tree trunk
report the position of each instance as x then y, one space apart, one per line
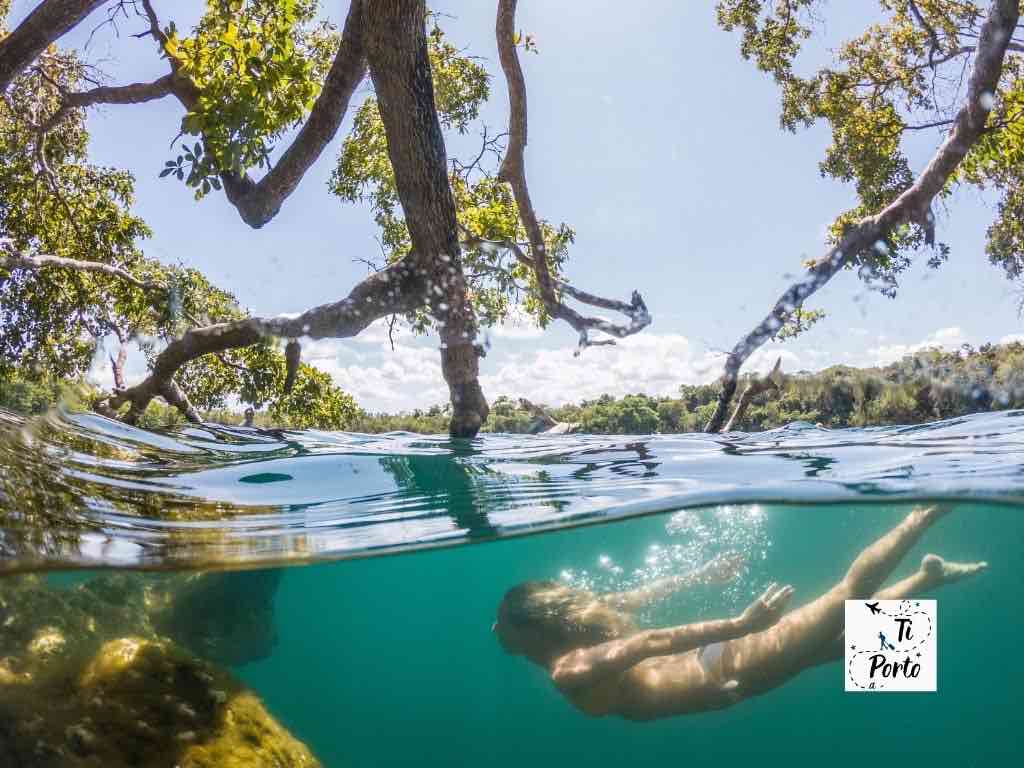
49 21
396 47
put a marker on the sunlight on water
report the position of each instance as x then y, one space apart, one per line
693 537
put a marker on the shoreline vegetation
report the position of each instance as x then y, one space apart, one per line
928 385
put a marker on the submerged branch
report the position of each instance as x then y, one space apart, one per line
513 171
912 206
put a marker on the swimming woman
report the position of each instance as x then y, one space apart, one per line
599 659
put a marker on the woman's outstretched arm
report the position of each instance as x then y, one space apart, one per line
588 665
719 570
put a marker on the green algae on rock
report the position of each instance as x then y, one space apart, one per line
78 690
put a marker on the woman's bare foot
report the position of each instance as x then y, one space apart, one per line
940 571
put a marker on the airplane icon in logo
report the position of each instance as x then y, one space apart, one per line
873 607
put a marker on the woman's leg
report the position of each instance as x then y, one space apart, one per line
763 660
873 566
933 573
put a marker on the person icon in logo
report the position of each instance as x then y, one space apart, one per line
885 643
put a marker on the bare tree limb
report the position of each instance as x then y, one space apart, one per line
912 206
397 288
513 171
772 380
117 366
636 310
175 396
9 257
50 20
134 93
929 29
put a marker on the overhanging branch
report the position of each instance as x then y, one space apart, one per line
513 171
259 201
10 257
913 206
396 289
134 93
50 20
635 310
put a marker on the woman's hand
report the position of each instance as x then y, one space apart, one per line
767 609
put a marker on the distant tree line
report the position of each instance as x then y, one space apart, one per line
925 386
928 385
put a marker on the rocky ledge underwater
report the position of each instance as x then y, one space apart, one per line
131 670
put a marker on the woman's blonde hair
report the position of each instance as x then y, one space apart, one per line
545 619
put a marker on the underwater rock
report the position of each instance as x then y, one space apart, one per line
76 693
224 617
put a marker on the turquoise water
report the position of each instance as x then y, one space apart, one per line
392 661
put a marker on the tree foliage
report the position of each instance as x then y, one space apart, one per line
486 210
257 66
902 75
53 201
54 320
251 71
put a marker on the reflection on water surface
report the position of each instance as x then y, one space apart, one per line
80 490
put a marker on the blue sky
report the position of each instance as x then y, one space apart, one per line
656 142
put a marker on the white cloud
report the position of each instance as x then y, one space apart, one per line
410 376
655 364
945 338
382 380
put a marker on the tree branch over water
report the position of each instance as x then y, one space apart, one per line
49 21
913 206
260 201
397 288
513 171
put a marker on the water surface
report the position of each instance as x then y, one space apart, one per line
81 490
392 662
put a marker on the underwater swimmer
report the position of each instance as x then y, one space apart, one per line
605 665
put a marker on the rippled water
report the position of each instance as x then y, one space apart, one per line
79 490
392 661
